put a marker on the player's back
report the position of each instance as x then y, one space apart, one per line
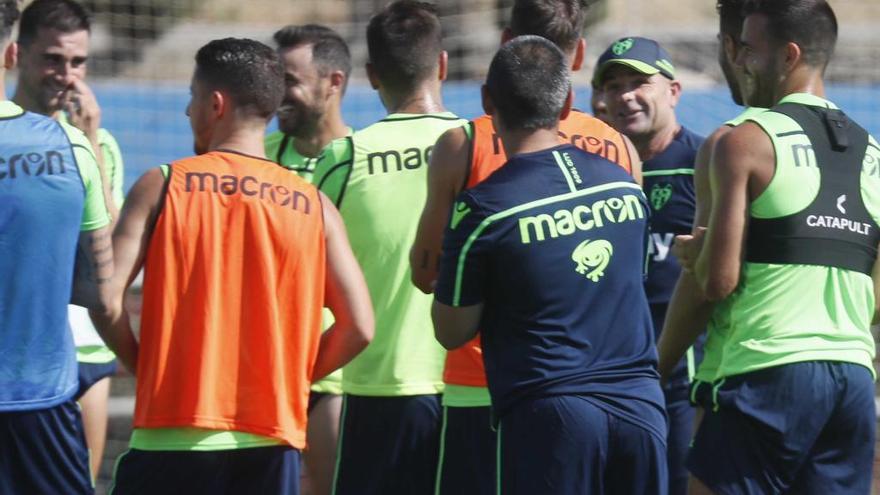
560 236
236 235
378 179
42 196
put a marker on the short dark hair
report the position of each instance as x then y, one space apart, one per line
560 21
66 16
811 24
249 71
730 13
329 50
8 15
404 41
528 83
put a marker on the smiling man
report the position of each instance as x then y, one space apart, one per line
795 296
54 50
637 79
317 64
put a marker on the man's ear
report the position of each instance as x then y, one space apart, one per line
577 60
793 56
730 47
488 105
10 56
566 108
675 91
371 75
219 104
337 82
443 65
506 35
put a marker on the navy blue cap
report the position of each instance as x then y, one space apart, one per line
641 54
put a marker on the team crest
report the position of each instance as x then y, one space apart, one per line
660 195
622 46
592 257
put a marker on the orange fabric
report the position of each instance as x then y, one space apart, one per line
233 291
464 366
579 129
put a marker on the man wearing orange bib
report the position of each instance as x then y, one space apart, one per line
462 158
240 256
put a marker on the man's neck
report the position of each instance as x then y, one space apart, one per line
24 100
330 128
802 80
424 99
247 141
649 146
528 141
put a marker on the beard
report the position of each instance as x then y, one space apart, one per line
732 82
297 120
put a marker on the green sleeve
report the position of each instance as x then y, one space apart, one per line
272 144
334 167
113 164
95 214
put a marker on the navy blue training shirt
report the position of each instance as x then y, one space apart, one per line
669 186
554 244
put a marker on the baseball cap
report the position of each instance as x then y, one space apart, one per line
641 54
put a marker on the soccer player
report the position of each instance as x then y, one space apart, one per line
689 311
546 256
391 413
462 158
54 235
241 257
637 78
53 40
317 65
789 255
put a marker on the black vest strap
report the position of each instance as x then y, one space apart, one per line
836 229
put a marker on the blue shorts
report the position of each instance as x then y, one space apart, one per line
91 373
680 430
44 451
272 470
388 445
567 444
467 452
805 428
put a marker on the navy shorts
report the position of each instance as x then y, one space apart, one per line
805 428
91 373
272 470
467 452
680 430
567 444
388 445
44 451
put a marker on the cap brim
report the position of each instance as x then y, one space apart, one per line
636 65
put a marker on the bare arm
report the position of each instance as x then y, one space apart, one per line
446 174
84 113
130 240
455 326
636 165
743 163
346 296
875 275
93 270
689 311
